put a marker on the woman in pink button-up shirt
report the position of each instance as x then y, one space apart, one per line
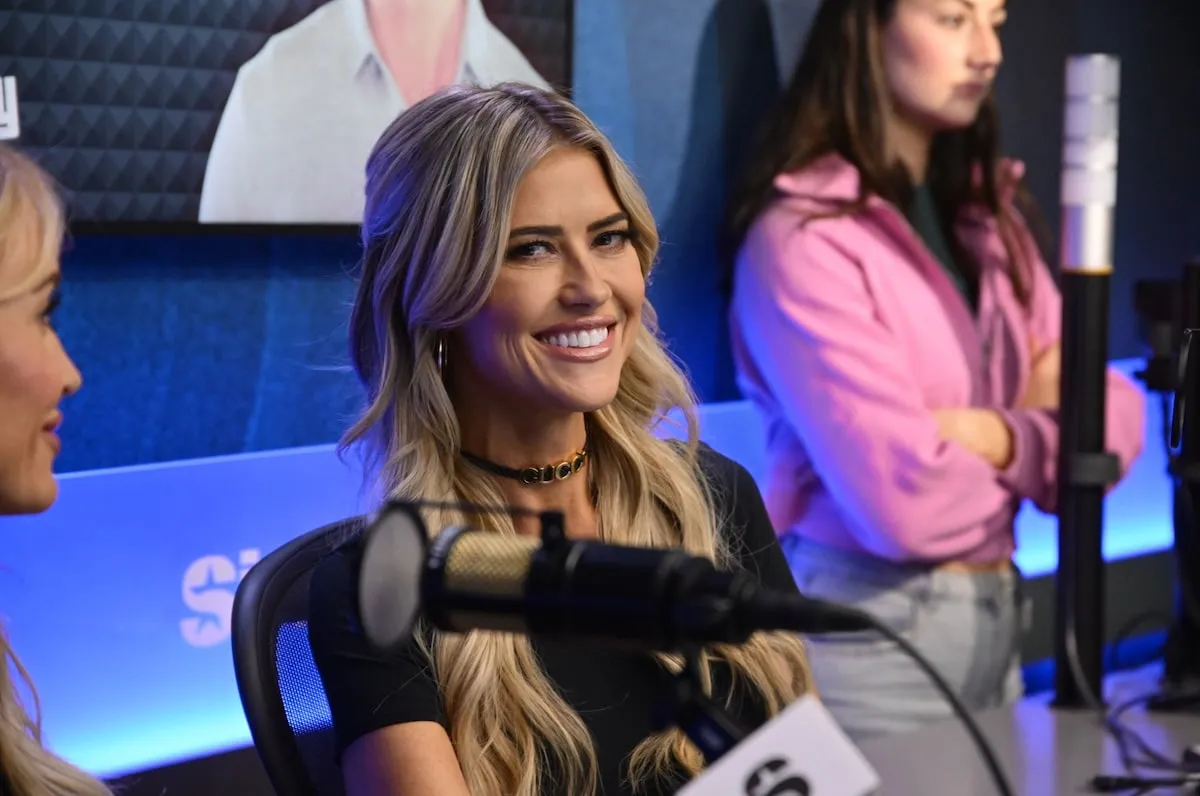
898 328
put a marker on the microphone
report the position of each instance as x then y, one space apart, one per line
553 587
650 598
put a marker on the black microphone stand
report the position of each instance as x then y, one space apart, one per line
1182 654
687 707
1169 312
1085 468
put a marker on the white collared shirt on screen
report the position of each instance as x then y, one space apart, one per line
304 113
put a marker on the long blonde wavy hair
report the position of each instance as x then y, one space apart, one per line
440 188
31 232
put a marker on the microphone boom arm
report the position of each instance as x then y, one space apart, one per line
687 707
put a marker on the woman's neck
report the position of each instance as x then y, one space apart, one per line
909 143
529 441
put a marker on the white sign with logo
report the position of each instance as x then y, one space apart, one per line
801 752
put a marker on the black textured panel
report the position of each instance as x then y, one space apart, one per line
120 99
542 30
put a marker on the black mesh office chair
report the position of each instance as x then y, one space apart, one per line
281 691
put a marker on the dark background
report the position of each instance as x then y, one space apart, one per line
120 99
202 345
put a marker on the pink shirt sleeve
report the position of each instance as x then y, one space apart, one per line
1034 469
809 323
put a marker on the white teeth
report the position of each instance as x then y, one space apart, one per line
583 339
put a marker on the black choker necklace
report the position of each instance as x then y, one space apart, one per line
546 474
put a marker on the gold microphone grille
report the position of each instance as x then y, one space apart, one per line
487 563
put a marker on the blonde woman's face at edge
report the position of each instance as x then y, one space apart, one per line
35 372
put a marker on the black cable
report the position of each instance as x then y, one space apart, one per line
1151 759
1117 784
1003 786
1125 737
1091 700
1134 751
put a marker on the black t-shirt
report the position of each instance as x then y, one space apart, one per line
615 691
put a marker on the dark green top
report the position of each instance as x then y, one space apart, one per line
923 215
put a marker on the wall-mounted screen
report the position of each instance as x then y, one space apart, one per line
248 111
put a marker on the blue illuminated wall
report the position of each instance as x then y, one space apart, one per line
197 346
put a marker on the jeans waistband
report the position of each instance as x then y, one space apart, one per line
802 552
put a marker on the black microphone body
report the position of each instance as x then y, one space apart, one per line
652 598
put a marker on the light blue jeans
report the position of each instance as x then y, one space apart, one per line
968 624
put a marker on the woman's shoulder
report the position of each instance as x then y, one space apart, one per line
367 688
334 580
830 179
734 491
743 520
720 471
814 209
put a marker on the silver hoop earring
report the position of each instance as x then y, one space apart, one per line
439 354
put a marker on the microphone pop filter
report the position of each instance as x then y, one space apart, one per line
389 585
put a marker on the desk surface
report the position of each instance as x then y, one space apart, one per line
1045 752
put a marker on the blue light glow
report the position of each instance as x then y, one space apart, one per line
1137 513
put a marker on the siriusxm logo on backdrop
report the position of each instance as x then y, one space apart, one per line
208 588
